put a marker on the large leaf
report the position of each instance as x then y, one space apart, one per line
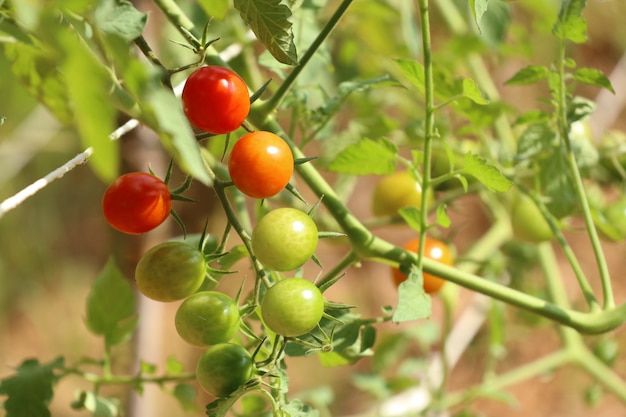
269 20
87 81
486 173
120 18
111 306
30 390
366 157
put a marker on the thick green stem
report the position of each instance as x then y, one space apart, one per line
607 290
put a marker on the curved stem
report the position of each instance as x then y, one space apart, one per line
607 291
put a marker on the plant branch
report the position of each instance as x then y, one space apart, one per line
273 102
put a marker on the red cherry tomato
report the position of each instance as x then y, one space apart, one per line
433 249
136 203
261 164
215 99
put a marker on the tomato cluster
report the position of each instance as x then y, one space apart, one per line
175 270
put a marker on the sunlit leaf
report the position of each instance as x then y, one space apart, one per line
489 175
528 75
592 76
368 156
570 24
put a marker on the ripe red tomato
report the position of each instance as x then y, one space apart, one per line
292 307
215 99
433 249
260 164
136 203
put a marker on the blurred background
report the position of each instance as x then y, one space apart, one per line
55 243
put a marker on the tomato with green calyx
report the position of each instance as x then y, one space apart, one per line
207 318
284 239
136 203
527 220
261 164
215 99
223 368
292 307
170 271
433 249
397 191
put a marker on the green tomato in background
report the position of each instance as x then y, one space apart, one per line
527 221
615 214
397 191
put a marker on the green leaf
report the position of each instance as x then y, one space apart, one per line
173 127
486 173
592 76
186 396
471 91
111 306
87 83
528 75
535 140
413 302
478 7
413 71
557 184
570 24
36 68
101 406
30 390
412 217
442 216
366 157
121 18
215 8
174 366
269 20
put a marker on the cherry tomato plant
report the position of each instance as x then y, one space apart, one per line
360 184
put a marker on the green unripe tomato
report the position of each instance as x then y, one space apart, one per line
223 368
170 271
292 307
527 220
207 318
615 214
284 239
397 191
